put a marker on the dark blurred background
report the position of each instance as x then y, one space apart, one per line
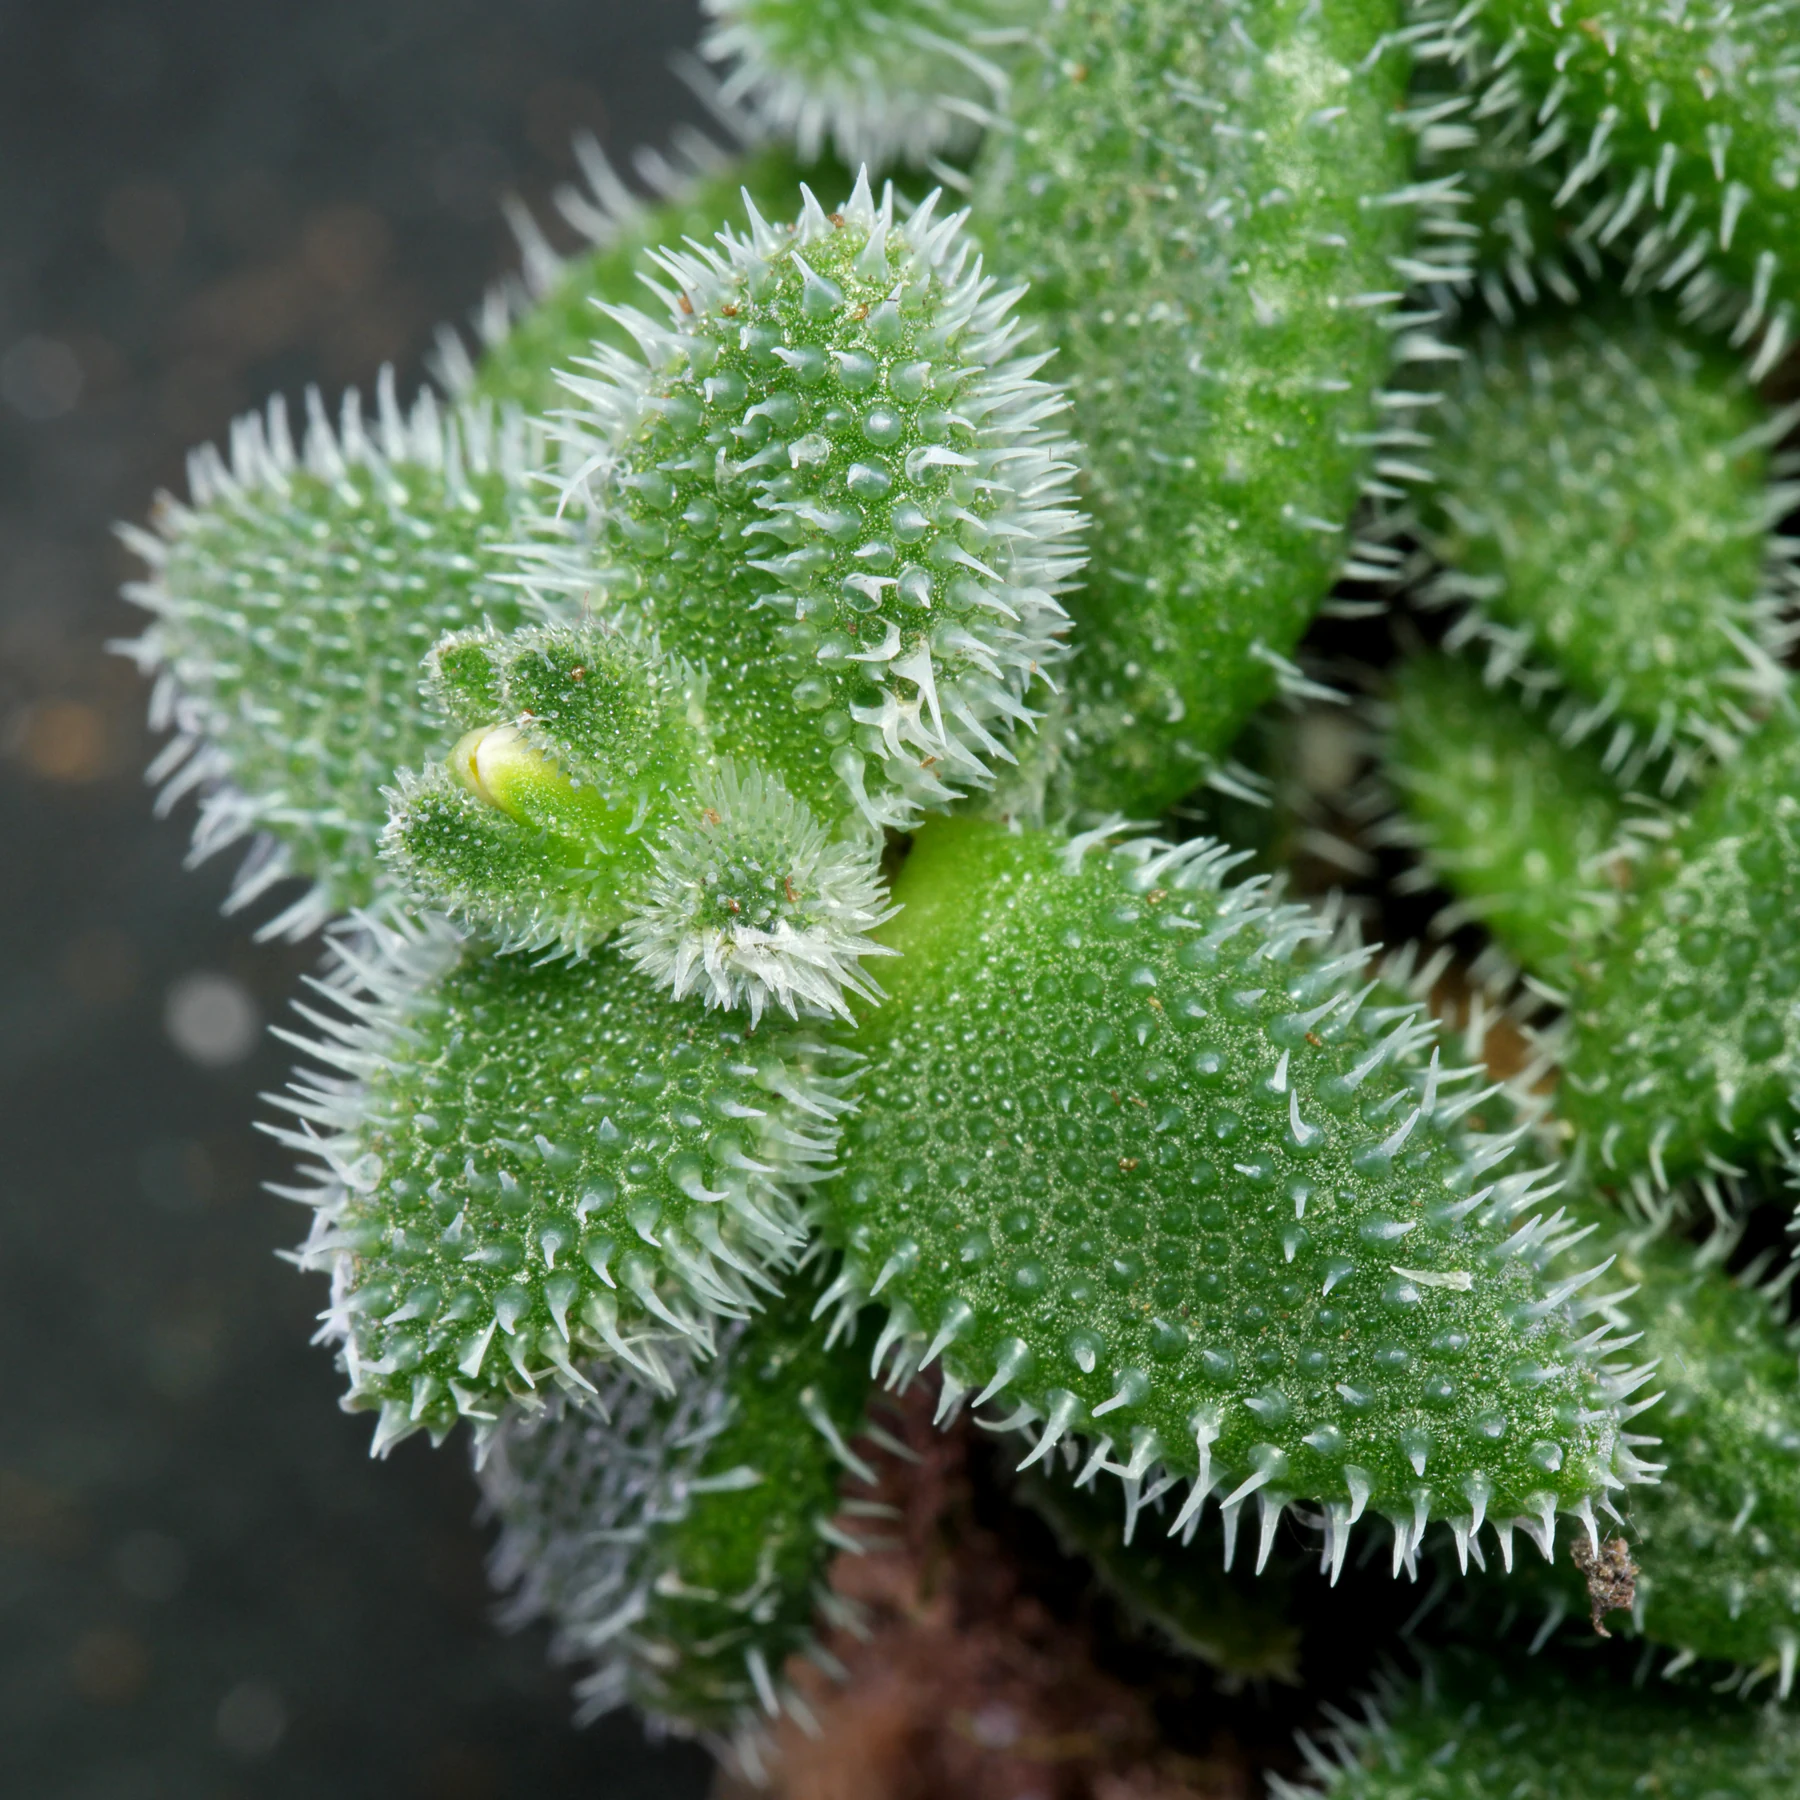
206 1588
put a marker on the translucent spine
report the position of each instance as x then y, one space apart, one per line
294 596
1235 173
519 1167
1138 1163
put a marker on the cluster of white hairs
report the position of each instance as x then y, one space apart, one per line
874 79
752 903
371 463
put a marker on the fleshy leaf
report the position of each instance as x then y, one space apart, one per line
1605 511
1527 831
1480 1730
539 827
1208 204
1685 1039
1134 1162
295 595
1716 1541
834 481
522 1166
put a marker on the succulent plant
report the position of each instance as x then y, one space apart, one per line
711 731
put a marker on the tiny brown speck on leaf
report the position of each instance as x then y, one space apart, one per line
1611 1577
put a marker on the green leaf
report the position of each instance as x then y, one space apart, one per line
1603 505
541 827
294 598
522 1166
1206 202
833 480
1673 120
1716 1539
522 366
1685 1037
1533 1730
1133 1156
1528 832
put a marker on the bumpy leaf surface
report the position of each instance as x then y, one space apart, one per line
522 365
1532 1731
1686 1030
1130 1158
531 1164
1198 198
295 597
1603 486
834 481
575 747
1690 108
1526 831
1716 1540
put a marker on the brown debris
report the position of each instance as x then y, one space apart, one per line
968 1687
1611 1577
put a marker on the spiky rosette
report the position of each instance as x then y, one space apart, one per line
677 1543
1605 511
295 594
751 903
1531 834
834 480
574 744
1133 1159
521 1166
1683 1038
879 79
1481 1730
